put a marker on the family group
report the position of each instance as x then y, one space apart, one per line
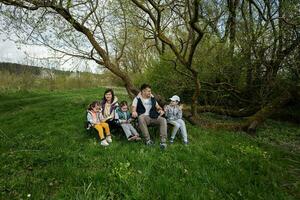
109 113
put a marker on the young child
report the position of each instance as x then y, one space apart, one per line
123 116
173 113
95 117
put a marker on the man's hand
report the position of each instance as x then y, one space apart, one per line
161 112
134 114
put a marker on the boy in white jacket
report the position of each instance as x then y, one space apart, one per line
173 114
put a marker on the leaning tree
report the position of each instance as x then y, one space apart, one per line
82 29
87 29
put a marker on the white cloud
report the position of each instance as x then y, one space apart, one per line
9 51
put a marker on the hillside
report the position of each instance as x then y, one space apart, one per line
15 68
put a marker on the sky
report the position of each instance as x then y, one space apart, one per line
11 52
16 53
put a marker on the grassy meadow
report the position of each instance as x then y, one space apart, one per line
47 154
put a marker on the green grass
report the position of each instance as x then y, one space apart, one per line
46 154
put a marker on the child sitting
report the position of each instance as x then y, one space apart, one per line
123 116
95 118
173 114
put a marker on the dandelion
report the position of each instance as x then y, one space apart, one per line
228 161
240 193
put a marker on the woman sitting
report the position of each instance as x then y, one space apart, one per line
109 103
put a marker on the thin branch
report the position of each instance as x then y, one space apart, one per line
176 69
140 5
91 12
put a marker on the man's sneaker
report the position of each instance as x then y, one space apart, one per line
185 142
149 143
104 143
163 145
171 141
108 139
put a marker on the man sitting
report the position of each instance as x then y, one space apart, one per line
146 108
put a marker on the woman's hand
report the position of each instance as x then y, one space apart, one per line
134 114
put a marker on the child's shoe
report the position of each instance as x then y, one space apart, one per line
131 137
108 139
171 141
138 138
104 143
149 143
185 143
163 145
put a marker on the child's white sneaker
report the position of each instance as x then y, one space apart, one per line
104 143
171 140
108 139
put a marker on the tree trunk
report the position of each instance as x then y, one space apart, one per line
255 120
231 23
